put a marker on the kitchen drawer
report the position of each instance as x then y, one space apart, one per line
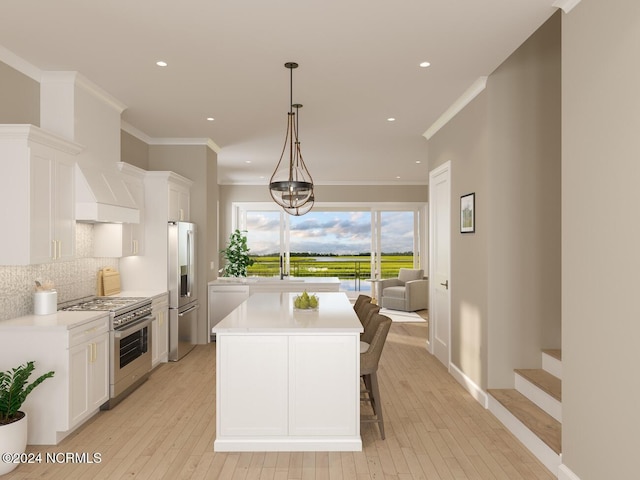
89 330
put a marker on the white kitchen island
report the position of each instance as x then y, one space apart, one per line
288 380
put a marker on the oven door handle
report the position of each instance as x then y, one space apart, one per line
195 307
138 325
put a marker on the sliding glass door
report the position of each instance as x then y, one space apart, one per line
353 244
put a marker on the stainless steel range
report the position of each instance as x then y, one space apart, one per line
129 340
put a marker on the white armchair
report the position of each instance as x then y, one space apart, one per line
409 292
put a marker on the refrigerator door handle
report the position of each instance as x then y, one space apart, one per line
189 262
195 307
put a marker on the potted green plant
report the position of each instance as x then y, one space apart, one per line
13 422
236 255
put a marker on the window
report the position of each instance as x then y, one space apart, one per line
349 242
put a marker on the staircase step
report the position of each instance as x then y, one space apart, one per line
555 353
552 362
543 425
543 380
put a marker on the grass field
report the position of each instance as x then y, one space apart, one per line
343 267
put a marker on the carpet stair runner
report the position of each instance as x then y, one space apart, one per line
533 410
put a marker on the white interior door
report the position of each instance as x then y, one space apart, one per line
440 262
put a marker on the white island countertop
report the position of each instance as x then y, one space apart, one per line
274 312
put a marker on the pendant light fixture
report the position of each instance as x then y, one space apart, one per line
291 185
306 207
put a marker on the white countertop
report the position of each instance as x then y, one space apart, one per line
264 280
55 321
67 320
274 313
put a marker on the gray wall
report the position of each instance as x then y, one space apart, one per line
19 97
505 277
600 239
134 151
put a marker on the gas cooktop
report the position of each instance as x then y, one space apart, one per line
111 304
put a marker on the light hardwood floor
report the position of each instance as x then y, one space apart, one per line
166 429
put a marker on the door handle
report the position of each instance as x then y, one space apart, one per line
195 307
445 284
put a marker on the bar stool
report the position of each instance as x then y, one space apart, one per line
375 335
367 310
361 300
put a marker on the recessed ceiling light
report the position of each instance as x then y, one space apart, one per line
210 119
398 177
391 119
425 64
418 161
247 161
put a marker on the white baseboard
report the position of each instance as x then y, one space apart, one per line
564 473
474 390
280 444
530 440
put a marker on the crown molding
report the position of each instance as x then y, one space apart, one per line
133 131
79 80
186 141
20 64
472 92
140 135
565 5
36 134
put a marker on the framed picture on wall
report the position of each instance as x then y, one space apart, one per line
468 213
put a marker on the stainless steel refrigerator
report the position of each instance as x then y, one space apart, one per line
183 291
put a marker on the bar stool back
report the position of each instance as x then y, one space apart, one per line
376 332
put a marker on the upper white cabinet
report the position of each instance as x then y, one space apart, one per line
37 200
124 239
179 199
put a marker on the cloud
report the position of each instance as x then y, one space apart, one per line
342 233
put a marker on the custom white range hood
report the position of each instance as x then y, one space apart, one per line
102 196
75 108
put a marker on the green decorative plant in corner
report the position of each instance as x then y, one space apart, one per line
14 391
236 255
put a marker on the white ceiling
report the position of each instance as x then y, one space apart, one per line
358 66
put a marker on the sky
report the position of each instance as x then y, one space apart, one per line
342 233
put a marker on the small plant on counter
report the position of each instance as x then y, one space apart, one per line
305 301
236 255
14 391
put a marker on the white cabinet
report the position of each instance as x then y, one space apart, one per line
160 330
149 271
116 240
79 358
88 371
288 380
37 196
257 365
179 199
307 386
135 234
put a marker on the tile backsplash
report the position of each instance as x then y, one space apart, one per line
72 280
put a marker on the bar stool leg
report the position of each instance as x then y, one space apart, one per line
377 406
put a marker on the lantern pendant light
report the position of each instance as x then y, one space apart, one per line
306 207
291 185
